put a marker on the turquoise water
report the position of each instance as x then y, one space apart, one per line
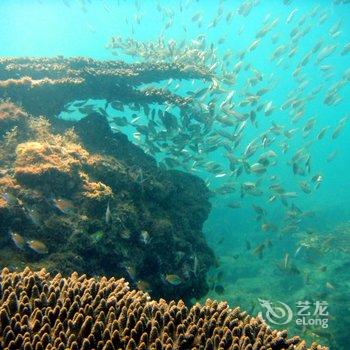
301 265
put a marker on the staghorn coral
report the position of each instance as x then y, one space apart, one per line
42 312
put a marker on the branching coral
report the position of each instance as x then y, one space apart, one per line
41 312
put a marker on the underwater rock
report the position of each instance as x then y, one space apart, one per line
38 311
100 205
58 81
44 164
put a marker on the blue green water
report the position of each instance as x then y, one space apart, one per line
83 28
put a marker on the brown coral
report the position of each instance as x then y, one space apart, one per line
40 312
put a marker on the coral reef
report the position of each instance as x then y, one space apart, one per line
42 312
91 201
57 81
10 116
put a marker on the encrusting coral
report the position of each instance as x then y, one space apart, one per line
40 312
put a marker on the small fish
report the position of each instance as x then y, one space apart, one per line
145 237
339 128
285 261
137 136
268 109
268 227
79 104
65 206
254 45
322 133
291 15
108 214
345 50
11 199
120 121
297 251
259 250
173 279
305 187
87 109
330 286
196 17
37 246
234 205
331 156
326 52
117 105
258 168
220 175
220 241
195 265
144 286
18 240
33 215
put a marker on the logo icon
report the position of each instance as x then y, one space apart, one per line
277 313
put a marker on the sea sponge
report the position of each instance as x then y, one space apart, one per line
41 312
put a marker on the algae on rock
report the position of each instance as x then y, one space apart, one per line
61 184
